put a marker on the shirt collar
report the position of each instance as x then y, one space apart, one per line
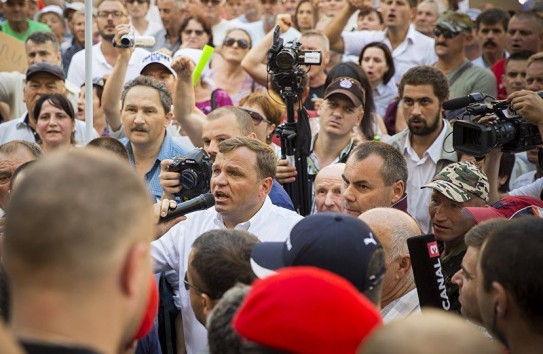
434 151
259 218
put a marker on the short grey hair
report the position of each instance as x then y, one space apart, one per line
164 94
314 33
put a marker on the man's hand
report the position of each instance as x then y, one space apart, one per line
285 172
356 4
284 21
161 210
528 105
120 31
183 67
169 181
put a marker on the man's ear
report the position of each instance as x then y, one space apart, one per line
252 135
502 299
207 304
132 275
266 185
398 190
404 266
169 117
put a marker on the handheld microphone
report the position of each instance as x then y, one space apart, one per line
201 202
427 271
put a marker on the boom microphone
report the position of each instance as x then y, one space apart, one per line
201 202
427 271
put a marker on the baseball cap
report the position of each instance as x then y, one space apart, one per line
509 207
461 181
158 58
54 70
336 242
306 310
347 87
73 6
455 21
50 9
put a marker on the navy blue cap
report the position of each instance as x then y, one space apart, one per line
339 243
51 69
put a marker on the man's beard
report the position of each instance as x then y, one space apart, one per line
107 37
425 129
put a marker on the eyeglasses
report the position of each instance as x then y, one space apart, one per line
448 34
242 43
189 285
138 1
270 2
188 32
256 117
114 14
213 2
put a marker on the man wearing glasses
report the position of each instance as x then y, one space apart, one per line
110 14
453 31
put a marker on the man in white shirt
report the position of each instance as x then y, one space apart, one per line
409 47
110 13
426 143
242 178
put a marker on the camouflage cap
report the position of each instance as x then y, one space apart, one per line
455 21
461 181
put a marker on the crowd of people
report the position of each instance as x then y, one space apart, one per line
103 266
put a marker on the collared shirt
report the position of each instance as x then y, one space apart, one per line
401 204
401 307
383 95
100 66
421 172
19 129
171 252
169 150
416 49
162 40
480 61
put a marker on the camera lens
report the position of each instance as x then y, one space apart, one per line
285 59
189 179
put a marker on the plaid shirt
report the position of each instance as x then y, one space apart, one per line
401 307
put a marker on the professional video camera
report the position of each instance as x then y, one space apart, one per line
288 74
195 173
511 134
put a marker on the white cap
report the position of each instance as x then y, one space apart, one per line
50 8
158 58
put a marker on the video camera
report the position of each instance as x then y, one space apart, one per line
511 134
194 173
285 61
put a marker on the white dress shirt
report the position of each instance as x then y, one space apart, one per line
100 66
421 171
171 252
416 49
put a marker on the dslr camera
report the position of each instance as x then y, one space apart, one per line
511 134
194 174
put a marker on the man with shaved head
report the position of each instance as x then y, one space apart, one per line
433 331
328 188
399 297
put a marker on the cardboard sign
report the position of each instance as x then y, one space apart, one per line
12 54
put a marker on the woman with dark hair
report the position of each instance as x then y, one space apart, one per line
372 125
227 73
369 19
195 33
306 16
376 61
55 122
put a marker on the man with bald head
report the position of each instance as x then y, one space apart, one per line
83 285
399 297
433 331
328 189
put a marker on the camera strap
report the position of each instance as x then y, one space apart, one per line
459 73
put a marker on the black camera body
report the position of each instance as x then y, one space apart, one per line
511 134
194 173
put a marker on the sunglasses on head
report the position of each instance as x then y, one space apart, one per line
188 32
448 34
138 1
242 43
256 117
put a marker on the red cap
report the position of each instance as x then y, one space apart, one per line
508 208
151 311
306 310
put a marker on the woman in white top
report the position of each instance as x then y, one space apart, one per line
376 60
137 10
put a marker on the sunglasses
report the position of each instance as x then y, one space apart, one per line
256 117
242 43
448 34
213 2
189 285
189 32
138 1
